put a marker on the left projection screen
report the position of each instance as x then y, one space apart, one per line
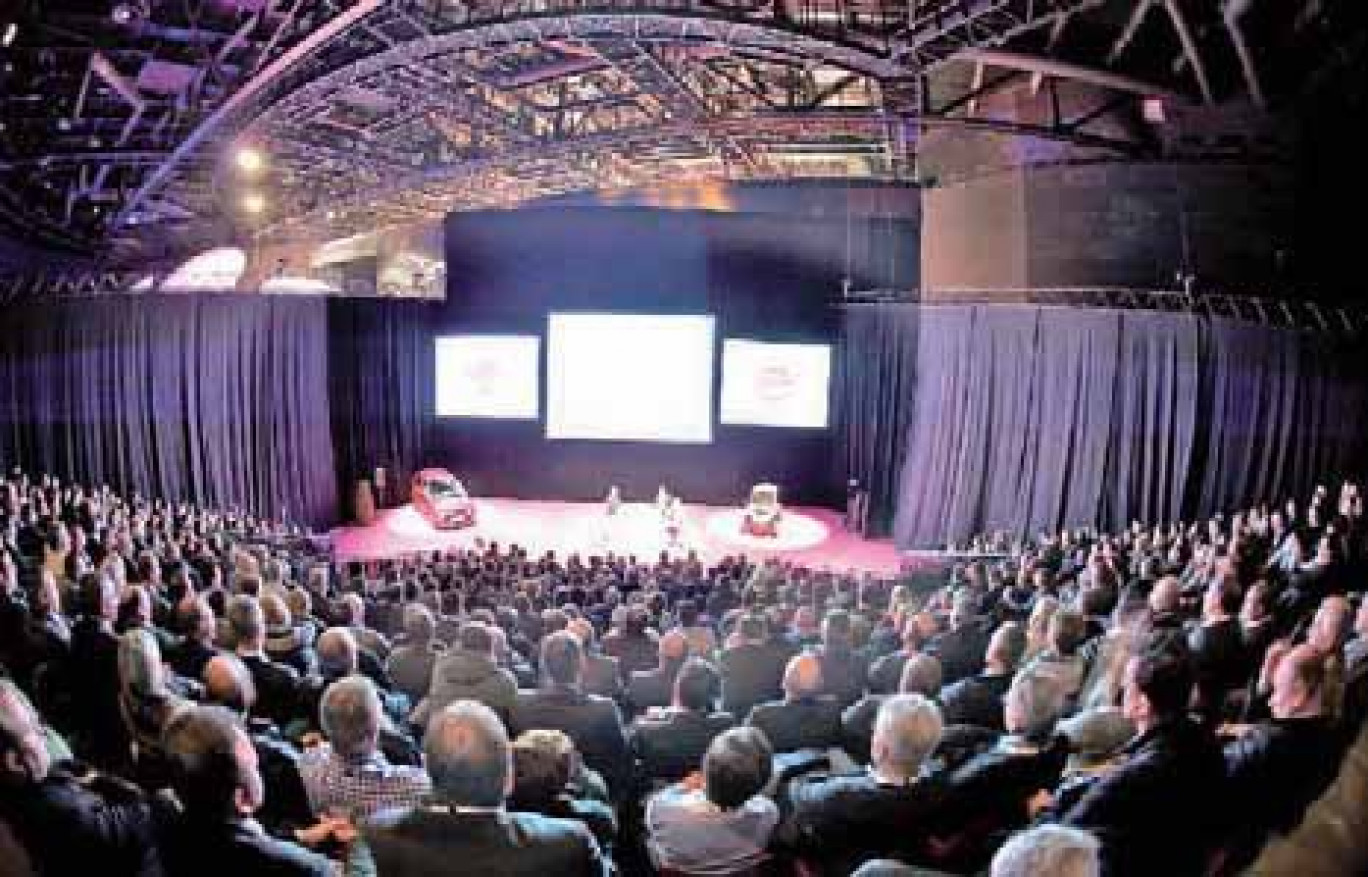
630 377
492 376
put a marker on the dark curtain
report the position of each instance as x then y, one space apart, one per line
219 400
875 368
1029 418
381 377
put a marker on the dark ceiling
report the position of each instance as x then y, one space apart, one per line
118 118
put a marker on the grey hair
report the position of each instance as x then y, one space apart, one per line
337 651
350 714
1036 702
1048 851
419 625
468 755
907 730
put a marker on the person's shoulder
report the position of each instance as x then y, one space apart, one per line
549 829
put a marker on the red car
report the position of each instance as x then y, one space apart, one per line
441 498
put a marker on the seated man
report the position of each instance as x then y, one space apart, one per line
654 688
601 674
220 788
1154 812
349 774
410 664
752 665
719 822
1279 767
63 824
466 827
549 780
277 685
921 674
561 705
669 743
1048 851
469 671
804 719
977 700
888 811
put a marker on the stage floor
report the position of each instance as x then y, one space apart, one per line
809 536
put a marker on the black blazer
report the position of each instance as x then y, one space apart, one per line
799 724
591 721
975 701
279 693
670 747
192 847
429 842
601 676
648 688
752 674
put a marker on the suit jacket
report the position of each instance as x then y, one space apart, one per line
196 847
428 842
95 697
591 721
1222 663
632 652
648 688
1154 813
1276 771
601 676
843 673
975 701
65 828
838 822
279 694
458 675
885 674
668 748
752 674
799 724
190 657
960 651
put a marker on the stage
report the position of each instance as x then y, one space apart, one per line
809 536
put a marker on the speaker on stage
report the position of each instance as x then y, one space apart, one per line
380 496
857 506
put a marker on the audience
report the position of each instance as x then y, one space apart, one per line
1079 682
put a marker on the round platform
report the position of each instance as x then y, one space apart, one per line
796 532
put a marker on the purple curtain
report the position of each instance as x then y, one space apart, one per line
1027 418
215 399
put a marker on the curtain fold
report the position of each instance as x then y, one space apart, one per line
1032 418
221 400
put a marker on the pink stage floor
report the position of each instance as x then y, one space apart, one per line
809 536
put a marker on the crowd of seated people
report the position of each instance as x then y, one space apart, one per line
187 692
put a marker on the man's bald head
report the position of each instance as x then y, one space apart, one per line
1166 597
803 677
674 647
227 682
337 653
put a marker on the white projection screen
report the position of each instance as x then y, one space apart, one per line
630 377
493 376
766 384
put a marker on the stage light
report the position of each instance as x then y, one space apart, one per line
254 203
250 160
10 35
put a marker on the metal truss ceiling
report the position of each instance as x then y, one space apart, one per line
376 112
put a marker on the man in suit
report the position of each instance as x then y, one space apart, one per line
465 825
561 705
961 648
219 786
601 675
197 624
843 668
752 666
277 685
805 718
654 688
891 810
977 700
669 744
63 824
469 671
95 674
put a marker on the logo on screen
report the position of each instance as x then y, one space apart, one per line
775 382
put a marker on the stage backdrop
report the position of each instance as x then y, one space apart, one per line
770 276
221 400
1028 418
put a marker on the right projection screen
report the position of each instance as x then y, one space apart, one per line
769 384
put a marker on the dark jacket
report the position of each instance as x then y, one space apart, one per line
632 652
843 673
462 675
66 828
601 676
752 674
411 666
670 747
1221 661
190 657
591 721
279 694
431 842
193 847
838 822
94 674
800 724
960 651
991 792
975 701
648 688
1155 813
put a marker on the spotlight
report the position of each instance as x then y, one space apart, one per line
249 160
10 35
130 12
254 203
